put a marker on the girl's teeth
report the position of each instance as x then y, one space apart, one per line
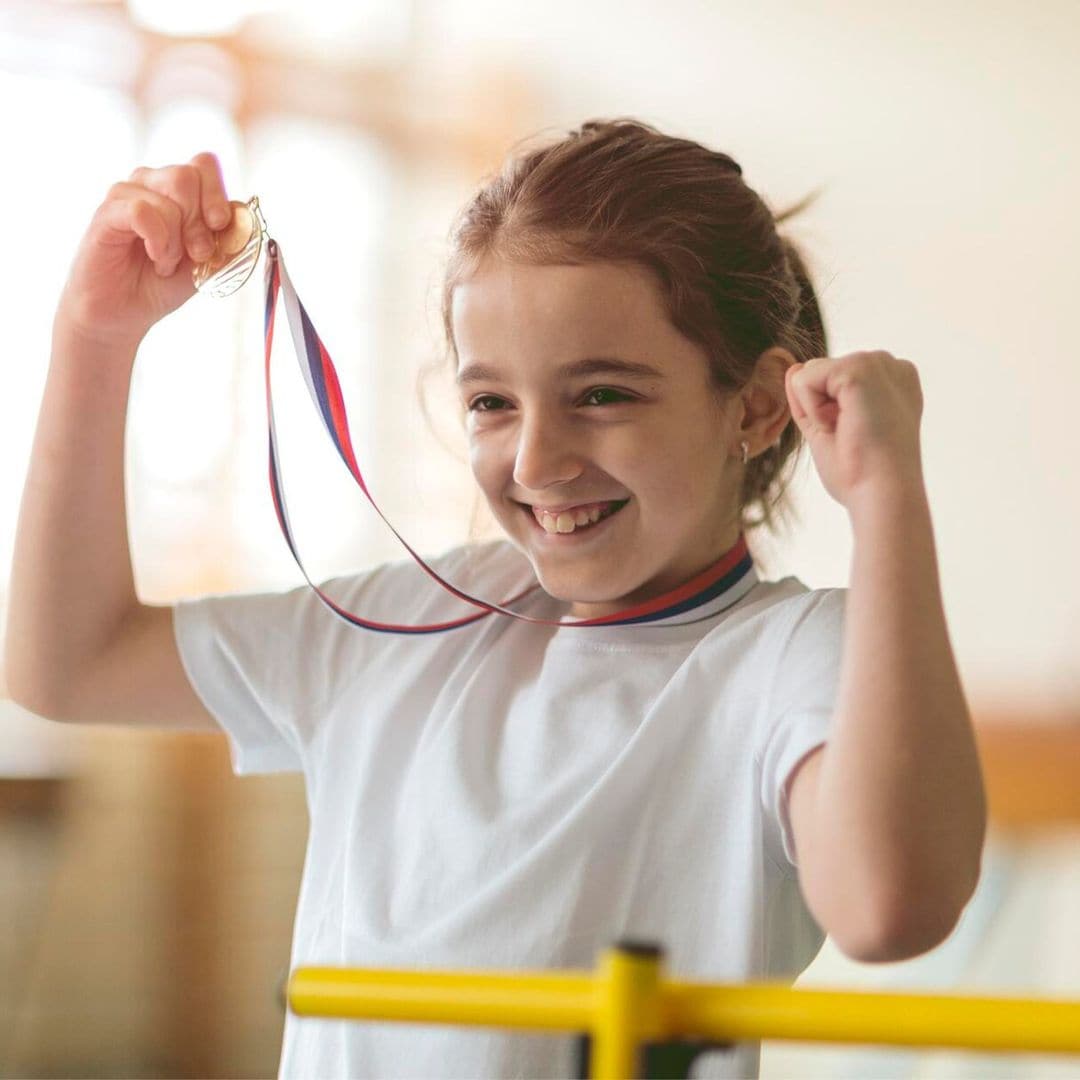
567 521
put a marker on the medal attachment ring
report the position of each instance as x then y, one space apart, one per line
237 248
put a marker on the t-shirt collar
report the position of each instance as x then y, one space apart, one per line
705 595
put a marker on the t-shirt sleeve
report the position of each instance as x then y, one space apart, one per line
265 664
800 707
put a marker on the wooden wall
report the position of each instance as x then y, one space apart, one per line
154 911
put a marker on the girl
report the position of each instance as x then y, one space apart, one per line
725 765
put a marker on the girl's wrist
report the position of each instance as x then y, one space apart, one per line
901 496
69 337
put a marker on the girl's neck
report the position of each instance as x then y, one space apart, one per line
647 605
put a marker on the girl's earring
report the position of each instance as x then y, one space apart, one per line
745 451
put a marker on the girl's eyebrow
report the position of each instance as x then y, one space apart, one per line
591 365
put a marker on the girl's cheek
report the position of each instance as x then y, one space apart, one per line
484 469
477 459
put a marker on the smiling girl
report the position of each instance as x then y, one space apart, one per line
725 765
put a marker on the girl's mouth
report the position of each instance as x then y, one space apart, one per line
565 526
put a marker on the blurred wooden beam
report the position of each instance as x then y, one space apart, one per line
469 115
31 796
1031 767
195 862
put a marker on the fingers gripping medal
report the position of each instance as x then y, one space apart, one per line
236 253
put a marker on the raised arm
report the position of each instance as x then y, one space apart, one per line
73 607
889 818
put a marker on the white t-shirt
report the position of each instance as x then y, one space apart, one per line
519 796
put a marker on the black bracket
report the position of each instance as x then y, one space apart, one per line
663 1060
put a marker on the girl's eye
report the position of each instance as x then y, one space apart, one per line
475 404
619 395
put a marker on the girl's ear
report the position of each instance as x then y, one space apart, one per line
766 411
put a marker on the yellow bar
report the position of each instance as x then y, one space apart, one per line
489 999
765 1011
714 1011
628 1010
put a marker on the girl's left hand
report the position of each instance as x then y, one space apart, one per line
860 416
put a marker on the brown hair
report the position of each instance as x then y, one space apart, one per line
621 190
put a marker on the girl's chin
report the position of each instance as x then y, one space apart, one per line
580 588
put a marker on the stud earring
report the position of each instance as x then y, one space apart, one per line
745 451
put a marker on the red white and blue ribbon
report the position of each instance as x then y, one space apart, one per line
706 594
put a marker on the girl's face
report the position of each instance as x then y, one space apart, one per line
581 394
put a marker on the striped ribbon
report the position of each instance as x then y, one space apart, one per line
729 574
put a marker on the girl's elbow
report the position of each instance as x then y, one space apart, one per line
907 931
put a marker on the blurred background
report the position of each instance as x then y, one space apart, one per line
146 894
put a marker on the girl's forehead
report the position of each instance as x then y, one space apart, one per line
620 302
515 320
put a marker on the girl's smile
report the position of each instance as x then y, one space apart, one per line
574 521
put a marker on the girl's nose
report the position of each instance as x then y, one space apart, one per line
545 456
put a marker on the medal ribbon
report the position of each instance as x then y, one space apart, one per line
321 378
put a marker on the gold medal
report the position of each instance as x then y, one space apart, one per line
236 251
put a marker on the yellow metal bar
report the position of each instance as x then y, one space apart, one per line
489 999
629 1002
628 1009
764 1011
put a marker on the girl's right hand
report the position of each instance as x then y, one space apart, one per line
134 264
